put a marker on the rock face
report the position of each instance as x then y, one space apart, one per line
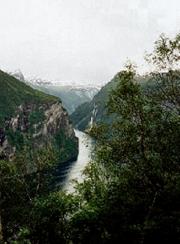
53 120
33 120
95 111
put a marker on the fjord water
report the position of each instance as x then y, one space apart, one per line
68 172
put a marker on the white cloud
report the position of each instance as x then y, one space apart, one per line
81 40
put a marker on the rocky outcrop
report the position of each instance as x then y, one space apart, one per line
38 124
33 123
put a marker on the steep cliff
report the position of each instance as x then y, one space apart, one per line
31 119
94 111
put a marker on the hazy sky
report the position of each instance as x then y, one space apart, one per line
81 40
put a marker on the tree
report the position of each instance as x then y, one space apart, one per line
21 181
166 71
131 192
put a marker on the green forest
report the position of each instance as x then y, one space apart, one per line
131 190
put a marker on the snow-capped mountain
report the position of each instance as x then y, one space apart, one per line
18 75
71 93
71 96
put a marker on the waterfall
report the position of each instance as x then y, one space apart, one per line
93 116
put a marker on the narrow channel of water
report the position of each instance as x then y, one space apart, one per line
66 173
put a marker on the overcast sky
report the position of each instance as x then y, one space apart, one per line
81 40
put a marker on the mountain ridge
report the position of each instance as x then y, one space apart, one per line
95 110
71 94
31 117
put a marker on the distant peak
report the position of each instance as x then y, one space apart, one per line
18 75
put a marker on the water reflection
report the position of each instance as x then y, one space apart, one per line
68 172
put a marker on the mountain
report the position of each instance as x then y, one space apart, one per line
95 110
71 95
18 75
34 120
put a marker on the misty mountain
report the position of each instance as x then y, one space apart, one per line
71 95
95 110
18 75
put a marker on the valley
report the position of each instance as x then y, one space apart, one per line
71 95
